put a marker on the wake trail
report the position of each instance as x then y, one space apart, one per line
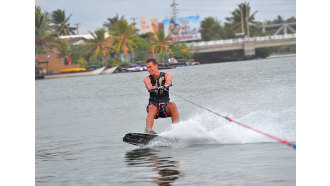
206 128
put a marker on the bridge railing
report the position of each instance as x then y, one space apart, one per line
241 40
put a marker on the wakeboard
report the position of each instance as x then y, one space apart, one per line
138 138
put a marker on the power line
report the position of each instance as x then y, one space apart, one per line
211 4
166 12
221 11
224 7
230 1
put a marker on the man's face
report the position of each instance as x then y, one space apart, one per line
152 69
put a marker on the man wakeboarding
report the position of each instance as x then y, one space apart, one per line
158 84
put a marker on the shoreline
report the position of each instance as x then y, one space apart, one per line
187 64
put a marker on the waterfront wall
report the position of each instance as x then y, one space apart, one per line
53 64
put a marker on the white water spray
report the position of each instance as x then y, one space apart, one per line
207 128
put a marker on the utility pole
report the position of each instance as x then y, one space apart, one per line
242 20
174 10
134 18
264 27
247 14
77 26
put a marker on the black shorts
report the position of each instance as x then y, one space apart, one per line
161 109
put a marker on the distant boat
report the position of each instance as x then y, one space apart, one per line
137 68
110 70
75 74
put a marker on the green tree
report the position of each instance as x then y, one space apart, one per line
114 62
78 54
122 36
160 45
279 19
143 48
82 62
242 21
98 46
111 21
147 36
64 49
291 20
181 51
142 44
210 29
61 23
45 39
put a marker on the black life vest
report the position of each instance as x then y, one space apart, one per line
160 95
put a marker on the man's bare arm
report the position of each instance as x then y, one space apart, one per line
168 78
147 83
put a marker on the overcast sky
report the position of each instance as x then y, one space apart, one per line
91 14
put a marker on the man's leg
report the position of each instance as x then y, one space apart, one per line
173 111
151 116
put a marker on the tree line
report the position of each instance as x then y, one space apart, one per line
118 40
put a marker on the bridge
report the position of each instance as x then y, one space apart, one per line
247 44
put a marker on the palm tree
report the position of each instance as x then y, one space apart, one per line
99 46
210 29
61 22
112 21
241 20
45 39
160 45
122 36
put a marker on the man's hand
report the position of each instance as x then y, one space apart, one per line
153 89
160 88
166 86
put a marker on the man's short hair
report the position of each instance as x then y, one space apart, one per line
153 61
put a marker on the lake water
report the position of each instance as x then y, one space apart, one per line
80 123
